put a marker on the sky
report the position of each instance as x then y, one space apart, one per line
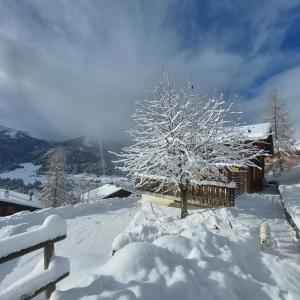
71 68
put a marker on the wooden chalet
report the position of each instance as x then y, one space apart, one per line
215 194
11 206
251 179
297 148
107 191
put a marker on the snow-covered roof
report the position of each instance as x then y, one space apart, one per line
20 199
101 192
256 131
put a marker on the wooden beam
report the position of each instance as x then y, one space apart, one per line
48 253
42 289
30 249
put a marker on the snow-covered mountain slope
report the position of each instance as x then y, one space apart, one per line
27 172
19 147
212 254
91 230
9 132
84 154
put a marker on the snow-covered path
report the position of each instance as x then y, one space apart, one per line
254 209
257 208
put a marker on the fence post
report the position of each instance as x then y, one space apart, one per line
48 253
232 196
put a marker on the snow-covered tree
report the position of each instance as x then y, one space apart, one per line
283 142
54 190
81 187
179 136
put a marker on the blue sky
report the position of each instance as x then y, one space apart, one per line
74 67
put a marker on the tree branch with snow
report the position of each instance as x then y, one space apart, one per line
180 136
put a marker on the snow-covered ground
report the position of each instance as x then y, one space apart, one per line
201 257
212 254
28 173
91 230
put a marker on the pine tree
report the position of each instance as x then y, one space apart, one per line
177 137
55 191
283 142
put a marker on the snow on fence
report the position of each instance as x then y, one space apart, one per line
292 223
203 195
42 278
289 208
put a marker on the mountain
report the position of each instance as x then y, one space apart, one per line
18 146
83 154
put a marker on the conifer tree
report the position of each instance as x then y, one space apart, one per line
283 142
54 190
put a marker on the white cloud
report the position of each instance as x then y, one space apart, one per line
77 67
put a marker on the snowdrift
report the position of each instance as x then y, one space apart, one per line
291 198
209 255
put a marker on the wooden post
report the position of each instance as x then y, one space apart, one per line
152 208
232 197
48 253
184 198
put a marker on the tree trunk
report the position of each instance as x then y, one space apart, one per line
184 198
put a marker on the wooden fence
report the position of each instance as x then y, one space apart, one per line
211 196
48 245
199 195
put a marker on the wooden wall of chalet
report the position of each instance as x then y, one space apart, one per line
249 180
7 209
256 176
199 195
241 180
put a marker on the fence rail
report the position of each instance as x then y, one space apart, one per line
289 218
48 284
198 195
211 195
